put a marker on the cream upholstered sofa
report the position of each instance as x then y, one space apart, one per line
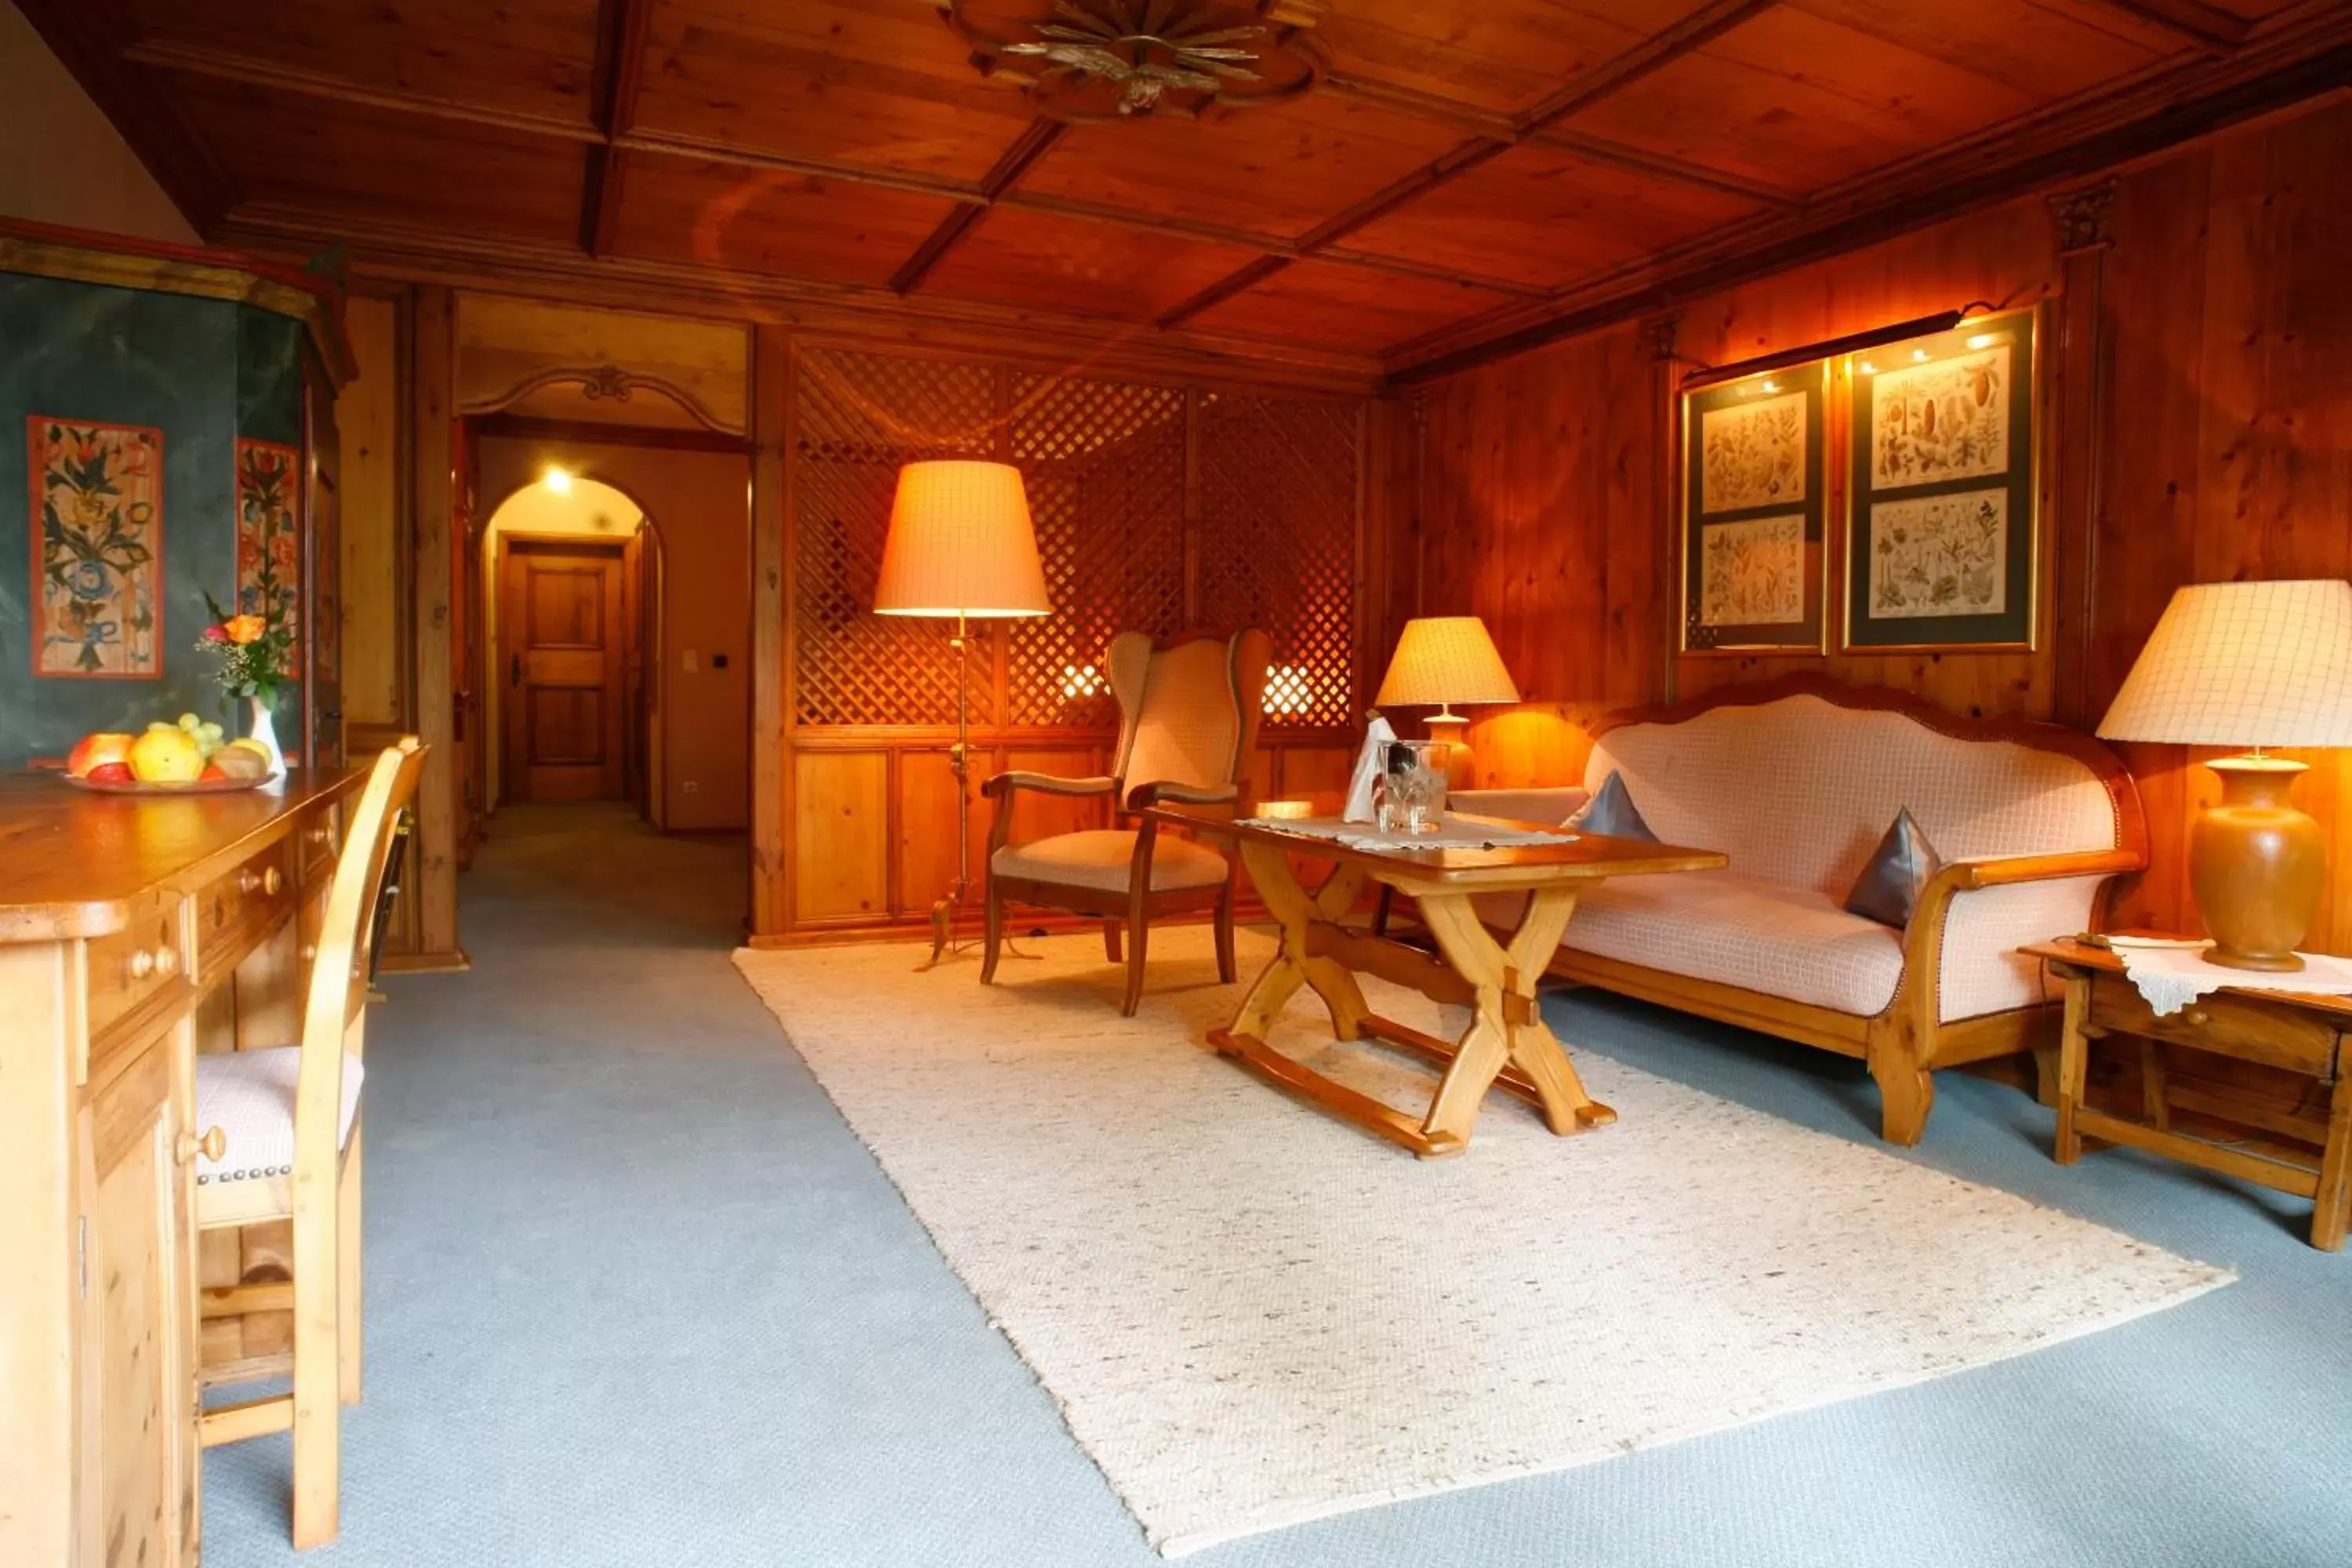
1797 781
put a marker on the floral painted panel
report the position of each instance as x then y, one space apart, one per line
268 534
1753 454
1752 573
1946 419
1940 556
97 548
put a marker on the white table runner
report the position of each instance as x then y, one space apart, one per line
1458 833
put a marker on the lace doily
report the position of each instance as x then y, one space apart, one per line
2169 975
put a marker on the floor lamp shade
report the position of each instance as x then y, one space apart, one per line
2249 664
960 543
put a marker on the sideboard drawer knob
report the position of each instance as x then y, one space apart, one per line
167 960
2196 1018
142 965
271 880
249 881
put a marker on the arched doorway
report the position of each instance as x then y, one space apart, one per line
571 575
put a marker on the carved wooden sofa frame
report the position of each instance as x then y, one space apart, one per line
1904 1044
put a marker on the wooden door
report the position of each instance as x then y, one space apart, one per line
138 1466
560 638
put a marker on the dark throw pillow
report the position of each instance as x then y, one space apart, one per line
1888 888
1611 812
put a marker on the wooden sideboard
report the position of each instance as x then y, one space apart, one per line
135 931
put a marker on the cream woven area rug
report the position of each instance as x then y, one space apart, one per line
1252 1315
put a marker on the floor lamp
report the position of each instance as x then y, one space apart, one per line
960 544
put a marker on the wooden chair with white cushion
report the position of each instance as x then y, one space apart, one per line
282 1143
1188 713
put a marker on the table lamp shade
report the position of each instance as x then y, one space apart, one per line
960 543
1444 659
2244 664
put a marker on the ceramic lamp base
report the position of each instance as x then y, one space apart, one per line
1453 731
2258 866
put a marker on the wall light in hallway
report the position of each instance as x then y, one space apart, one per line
557 480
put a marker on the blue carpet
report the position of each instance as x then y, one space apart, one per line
638 1297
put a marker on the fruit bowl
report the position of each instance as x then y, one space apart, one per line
194 786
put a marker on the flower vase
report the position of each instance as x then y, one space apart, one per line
264 730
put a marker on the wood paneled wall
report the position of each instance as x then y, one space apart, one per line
2199 430
1159 506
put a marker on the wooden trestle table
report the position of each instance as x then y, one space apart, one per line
1506 1042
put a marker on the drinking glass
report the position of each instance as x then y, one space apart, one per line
1411 794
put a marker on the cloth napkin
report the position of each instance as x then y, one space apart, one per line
2171 974
1376 736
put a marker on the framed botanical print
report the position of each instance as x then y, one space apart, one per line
1754 504
1940 527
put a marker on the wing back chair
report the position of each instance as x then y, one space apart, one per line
1188 722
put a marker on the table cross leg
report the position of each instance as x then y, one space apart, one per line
1288 900
1508 1025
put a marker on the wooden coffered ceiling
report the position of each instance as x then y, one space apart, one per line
1471 176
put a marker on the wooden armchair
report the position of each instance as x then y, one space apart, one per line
1188 722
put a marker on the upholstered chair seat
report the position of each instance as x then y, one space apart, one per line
1104 858
250 1096
1188 722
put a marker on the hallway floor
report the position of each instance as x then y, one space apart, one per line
637 1297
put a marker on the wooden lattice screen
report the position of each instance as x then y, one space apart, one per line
860 418
1278 544
1104 465
1272 536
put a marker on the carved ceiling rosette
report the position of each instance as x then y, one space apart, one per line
1092 60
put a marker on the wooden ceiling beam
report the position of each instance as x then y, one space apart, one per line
1486 123
1249 275
1659 165
1050 340
2161 108
1032 144
86 35
1694 31
219 65
620 64
2207 26
1652 54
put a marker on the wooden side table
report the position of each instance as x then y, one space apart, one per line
2302 1034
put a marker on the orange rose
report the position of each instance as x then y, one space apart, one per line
241 628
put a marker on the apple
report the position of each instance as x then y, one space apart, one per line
111 773
96 750
210 773
168 755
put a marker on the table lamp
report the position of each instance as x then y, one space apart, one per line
2248 664
1441 661
961 544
